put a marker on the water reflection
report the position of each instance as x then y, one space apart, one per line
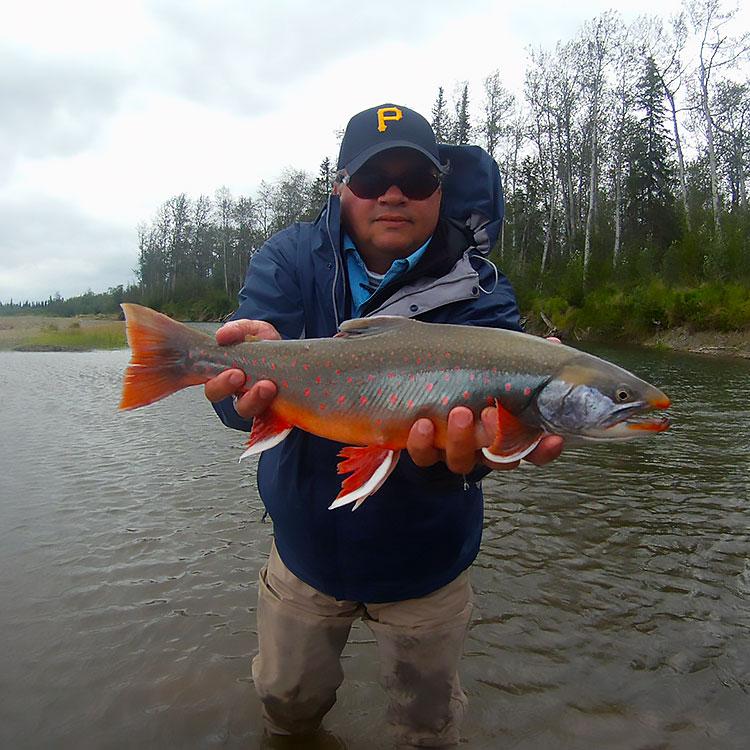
611 588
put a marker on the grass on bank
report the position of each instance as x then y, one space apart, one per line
75 337
643 310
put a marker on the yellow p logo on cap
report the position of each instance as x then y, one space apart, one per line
388 113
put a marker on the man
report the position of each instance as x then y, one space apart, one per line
400 562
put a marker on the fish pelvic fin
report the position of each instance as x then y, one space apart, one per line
514 439
368 468
158 346
268 430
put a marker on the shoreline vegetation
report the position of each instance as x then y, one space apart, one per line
44 333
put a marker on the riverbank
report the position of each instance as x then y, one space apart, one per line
716 343
45 333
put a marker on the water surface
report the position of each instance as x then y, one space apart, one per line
612 587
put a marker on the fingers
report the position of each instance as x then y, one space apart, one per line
460 441
224 384
421 444
548 450
236 331
256 400
250 403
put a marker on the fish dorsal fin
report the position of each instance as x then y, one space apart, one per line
371 326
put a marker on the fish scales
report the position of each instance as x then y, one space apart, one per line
383 383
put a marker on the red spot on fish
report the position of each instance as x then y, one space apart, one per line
444 400
394 399
466 394
508 387
338 372
447 355
255 362
350 379
378 422
380 391
472 376
527 391
419 360
412 377
273 365
341 399
322 407
318 379
305 367
446 377
263 360
371 377
391 375
429 387
363 400
284 384
307 391
410 404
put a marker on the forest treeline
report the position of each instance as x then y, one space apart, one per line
624 163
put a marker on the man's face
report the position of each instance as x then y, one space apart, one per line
392 225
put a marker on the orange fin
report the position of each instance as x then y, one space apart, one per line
158 347
514 439
370 467
268 430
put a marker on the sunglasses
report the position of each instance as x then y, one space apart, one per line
415 184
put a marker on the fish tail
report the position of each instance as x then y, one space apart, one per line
158 346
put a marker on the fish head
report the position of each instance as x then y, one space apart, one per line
596 400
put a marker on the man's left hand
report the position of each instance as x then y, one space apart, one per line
465 440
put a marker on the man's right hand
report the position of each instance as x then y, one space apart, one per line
250 403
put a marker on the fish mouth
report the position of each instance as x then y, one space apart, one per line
637 416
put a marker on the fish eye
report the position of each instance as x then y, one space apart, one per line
622 394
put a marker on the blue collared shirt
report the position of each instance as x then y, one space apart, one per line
363 282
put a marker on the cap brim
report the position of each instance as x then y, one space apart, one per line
355 163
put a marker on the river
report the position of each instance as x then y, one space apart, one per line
612 587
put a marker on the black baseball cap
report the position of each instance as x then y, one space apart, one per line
381 128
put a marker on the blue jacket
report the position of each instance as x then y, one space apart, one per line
423 527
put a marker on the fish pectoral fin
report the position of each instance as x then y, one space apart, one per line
514 439
268 430
368 468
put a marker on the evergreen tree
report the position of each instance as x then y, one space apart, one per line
441 119
650 215
461 125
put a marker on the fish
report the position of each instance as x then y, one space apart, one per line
367 385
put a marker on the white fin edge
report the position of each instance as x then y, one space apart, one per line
510 459
359 495
264 445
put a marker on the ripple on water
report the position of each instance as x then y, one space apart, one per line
611 589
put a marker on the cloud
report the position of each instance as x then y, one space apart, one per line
50 245
51 107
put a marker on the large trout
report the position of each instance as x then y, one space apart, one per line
366 386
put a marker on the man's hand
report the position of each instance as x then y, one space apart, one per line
465 440
257 399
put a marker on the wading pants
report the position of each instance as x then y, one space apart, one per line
302 633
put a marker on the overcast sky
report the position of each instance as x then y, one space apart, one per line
109 108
